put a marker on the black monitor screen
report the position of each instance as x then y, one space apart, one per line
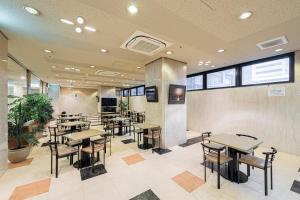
109 102
151 94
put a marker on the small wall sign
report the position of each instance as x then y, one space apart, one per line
276 91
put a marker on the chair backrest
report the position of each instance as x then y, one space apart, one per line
53 144
249 136
212 151
155 131
97 142
205 135
270 156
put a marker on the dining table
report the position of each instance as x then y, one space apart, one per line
236 145
85 137
74 124
72 118
145 127
120 121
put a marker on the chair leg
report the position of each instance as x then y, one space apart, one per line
271 174
248 170
153 144
204 170
56 166
218 176
92 160
51 163
78 159
238 173
266 182
253 155
212 167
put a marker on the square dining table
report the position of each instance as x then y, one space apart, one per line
85 137
236 145
145 127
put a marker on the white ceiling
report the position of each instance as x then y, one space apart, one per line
195 27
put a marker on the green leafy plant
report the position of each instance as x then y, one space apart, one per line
39 108
123 105
17 116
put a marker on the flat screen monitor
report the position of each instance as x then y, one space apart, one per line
151 94
177 94
109 102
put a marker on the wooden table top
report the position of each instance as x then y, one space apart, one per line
75 123
110 115
85 134
120 119
146 125
243 144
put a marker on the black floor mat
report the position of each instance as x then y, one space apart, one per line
128 141
87 173
296 187
148 195
161 151
191 141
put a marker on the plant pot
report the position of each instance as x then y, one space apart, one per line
19 155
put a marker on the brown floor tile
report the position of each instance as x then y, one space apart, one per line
188 181
135 158
31 189
20 164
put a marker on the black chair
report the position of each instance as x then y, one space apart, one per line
214 155
154 134
261 163
95 147
60 151
250 152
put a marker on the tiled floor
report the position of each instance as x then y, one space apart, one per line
154 172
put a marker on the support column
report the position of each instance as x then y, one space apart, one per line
28 81
3 104
171 117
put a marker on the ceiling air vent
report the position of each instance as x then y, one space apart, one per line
106 73
144 43
272 43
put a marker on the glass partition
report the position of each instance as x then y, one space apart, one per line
16 79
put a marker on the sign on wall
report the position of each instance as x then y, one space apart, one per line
276 91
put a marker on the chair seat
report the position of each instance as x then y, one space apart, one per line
97 148
60 133
213 157
214 145
254 161
65 150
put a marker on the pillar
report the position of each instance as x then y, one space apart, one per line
3 104
171 117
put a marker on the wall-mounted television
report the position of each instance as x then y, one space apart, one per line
108 101
177 94
151 94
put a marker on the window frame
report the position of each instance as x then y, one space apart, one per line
133 88
238 68
193 75
137 94
127 92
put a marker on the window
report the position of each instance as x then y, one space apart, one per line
141 91
133 92
266 72
195 82
125 93
220 79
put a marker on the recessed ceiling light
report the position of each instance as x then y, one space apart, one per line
77 70
73 68
90 28
220 50
53 67
245 15
4 60
80 20
92 66
132 9
199 64
103 50
208 62
122 74
213 66
67 68
23 77
277 50
169 52
31 10
139 67
47 51
78 29
67 21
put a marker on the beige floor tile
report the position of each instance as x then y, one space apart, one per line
188 181
133 159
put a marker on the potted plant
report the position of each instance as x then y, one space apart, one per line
123 105
20 138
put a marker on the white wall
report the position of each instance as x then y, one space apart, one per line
137 103
249 110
